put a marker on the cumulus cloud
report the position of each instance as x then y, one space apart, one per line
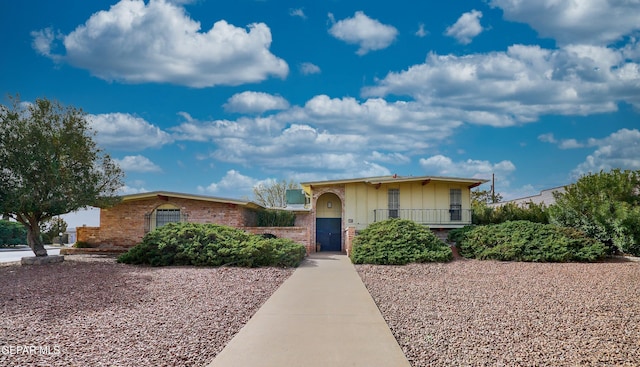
596 22
122 131
134 42
332 134
444 166
466 28
255 102
369 34
307 68
137 163
519 85
621 150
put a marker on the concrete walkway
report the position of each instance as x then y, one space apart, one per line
321 316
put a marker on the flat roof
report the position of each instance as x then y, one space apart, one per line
395 178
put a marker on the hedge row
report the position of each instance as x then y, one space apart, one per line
527 241
212 245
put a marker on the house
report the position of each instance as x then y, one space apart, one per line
545 197
340 208
125 224
328 213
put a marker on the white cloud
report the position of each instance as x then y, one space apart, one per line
621 150
466 27
519 85
255 102
43 41
137 163
307 68
547 138
129 190
562 144
134 42
444 166
421 32
297 13
396 158
335 135
126 132
369 34
597 22
570 144
234 185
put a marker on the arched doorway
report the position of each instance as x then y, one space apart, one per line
329 222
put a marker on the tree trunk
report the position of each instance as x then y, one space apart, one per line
34 240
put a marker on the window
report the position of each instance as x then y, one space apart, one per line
394 202
164 216
455 204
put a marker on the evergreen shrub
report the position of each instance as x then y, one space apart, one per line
398 242
212 245
528 241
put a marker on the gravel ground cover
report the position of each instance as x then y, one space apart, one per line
91 311
488 313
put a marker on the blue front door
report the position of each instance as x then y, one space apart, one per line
329 234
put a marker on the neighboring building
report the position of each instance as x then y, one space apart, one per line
339 208
544 197
328 213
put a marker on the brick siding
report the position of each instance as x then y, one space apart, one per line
124 224
300 235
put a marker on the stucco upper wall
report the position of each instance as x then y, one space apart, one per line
362 198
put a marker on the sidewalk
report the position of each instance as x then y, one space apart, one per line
321 316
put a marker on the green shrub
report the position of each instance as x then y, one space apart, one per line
275 218
82 244
12 233
398 242
483 214
456 235
212 245
527 241
605 206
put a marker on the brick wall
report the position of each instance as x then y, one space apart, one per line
89 235
297 234
349 235
124 224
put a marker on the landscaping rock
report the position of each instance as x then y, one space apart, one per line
41 260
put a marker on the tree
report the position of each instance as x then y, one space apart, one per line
273 195
52 228
485 196
606 206
51 165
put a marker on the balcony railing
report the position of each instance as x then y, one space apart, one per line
426 216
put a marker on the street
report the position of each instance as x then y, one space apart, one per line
9 254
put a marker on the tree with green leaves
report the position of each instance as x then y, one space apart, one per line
485 196
51 165
273 195
605 206
52 228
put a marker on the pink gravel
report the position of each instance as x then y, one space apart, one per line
92 311
488 313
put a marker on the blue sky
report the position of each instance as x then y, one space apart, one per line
214 97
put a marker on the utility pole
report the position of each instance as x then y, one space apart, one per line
493 187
